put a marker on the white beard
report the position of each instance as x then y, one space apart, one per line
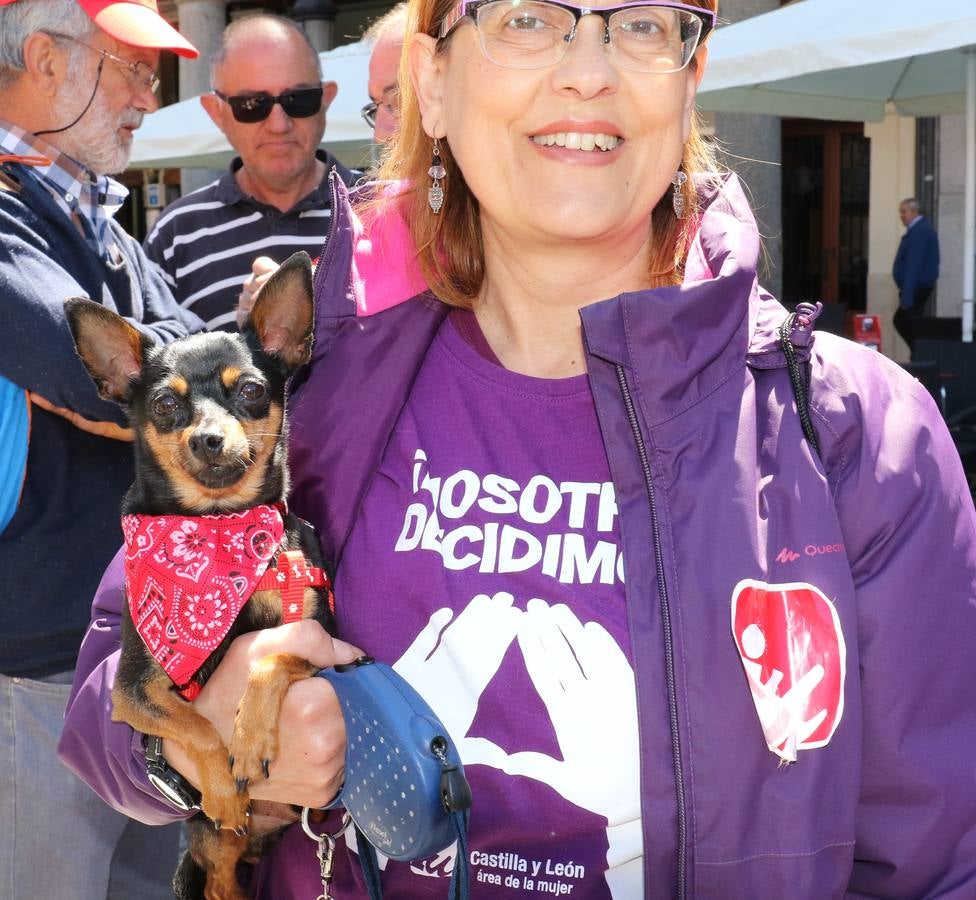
96 140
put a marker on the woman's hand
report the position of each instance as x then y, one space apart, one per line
308 770
261 270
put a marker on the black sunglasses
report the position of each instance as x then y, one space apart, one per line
299 103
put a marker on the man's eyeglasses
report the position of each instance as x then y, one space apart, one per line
390 104
645 36
140 74
298 103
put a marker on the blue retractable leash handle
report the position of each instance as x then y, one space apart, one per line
405 788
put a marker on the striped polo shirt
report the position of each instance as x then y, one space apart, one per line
204 243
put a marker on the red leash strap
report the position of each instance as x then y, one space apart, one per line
291 575
24 160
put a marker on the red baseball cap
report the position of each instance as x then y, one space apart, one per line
135 22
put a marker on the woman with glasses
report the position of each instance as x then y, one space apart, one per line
690 587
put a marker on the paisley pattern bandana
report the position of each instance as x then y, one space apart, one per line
188 577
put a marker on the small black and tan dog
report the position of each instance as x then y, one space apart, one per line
210 548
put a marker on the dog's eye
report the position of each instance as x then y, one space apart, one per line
251 391
165 406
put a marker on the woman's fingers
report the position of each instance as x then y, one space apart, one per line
305 638
308 766
221 695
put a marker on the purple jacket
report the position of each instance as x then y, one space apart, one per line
717 489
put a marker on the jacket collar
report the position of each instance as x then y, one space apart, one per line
686 339
677 344
680 343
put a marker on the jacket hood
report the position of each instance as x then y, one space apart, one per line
728 244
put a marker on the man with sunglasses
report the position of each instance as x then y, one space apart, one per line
270 101
76 79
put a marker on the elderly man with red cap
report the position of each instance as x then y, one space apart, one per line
76 79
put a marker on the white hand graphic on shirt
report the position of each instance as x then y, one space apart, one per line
587 686
473 645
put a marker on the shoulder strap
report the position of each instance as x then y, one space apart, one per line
802 318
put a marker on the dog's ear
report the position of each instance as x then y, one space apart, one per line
283 315
111 349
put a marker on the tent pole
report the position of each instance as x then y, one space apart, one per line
969 216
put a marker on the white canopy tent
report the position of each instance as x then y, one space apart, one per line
182 135
834 59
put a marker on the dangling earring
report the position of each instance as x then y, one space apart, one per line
678 194
435 193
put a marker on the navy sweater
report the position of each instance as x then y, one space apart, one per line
66 528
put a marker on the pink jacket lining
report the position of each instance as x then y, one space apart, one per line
386 271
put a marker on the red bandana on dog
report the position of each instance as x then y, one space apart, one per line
188 577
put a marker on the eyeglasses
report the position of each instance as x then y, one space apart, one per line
390 103
140 74
646 36
298 103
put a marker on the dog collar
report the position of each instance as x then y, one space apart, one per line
291 574
188 577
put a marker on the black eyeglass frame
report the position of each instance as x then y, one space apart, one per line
467 9
134 67
369 111
252 108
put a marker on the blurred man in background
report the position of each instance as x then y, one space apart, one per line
916 269
382 113
76 79
270 101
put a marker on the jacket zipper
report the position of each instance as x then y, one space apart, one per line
325 259
668 642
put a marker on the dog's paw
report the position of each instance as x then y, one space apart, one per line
251 757
230 809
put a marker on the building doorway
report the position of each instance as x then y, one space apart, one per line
826 191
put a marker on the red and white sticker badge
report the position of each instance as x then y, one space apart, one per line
794 656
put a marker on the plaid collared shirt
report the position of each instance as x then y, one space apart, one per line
95 199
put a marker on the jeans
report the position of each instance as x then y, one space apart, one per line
58 839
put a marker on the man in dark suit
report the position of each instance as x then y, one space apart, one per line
915 270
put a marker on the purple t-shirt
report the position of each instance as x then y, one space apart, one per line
486 567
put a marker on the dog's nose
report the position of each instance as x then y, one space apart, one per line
206 445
